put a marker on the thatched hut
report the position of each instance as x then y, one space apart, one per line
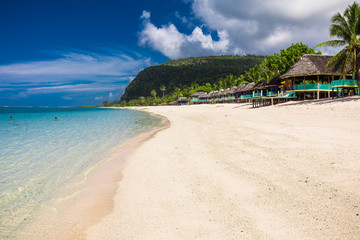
247 91
211 96
182 101
195 97
309 78
233 89
231 94
220 95
273 87
259 89
238 91
203 98
228 95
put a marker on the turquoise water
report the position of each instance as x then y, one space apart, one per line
39 155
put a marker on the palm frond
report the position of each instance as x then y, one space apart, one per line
339 32
340 20
339 27
352 13
331 43
345 27
337 61
347 62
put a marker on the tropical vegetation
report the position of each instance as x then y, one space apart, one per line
346 28
267 68
184 72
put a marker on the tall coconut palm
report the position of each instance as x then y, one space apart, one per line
346 28
163 89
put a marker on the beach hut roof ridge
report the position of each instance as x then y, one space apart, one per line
196 94
260 85
310 64
249 86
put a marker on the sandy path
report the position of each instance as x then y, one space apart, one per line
232 172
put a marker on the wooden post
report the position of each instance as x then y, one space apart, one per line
293 83
329 95
272 101
318 91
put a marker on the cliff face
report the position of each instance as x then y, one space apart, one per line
188 71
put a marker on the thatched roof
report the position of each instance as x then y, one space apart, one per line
248 87
212 94
260 85
227 91
197 94
233 89
276 81
220 92
203 95
182 99
240 88
310 64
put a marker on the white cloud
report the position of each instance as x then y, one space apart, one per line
264 27
145 14
75 64
72 72
244 26
206 41
173 44
167 39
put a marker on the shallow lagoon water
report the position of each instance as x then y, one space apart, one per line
39 155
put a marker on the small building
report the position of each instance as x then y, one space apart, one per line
247 92
195 97
310 79
238 92
260 89
273 87
182 101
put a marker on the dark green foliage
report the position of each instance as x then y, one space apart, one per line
186 72
280 63
183 77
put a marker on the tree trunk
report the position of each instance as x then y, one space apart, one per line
357 74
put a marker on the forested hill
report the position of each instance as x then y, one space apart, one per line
186 72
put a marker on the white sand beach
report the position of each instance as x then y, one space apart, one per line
290 171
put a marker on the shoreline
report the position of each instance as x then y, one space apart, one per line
229 171
69 217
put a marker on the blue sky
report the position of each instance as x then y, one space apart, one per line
73 53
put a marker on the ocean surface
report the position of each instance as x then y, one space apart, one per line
39 156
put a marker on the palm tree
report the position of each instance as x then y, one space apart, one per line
142 100
163 89
177 93
346 28
153 93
